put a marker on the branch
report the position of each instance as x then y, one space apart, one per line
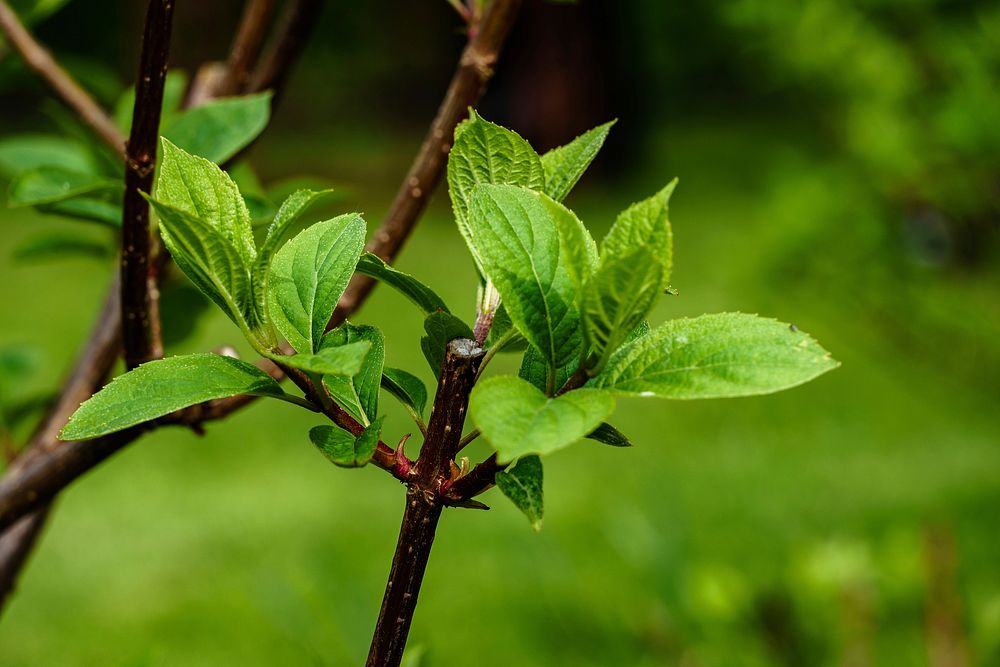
69 92
423 505
139 275
15 547
247 45
475 68
297 23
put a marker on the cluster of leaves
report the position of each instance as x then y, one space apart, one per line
577 311
583 308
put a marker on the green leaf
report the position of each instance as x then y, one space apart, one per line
522 483
515 232
201 189
565 165
715 356
441 328
218 129
365 384
288 214
342 448
535 369
87 208
345 360
503 330
406 387
344 394
414 290
578 251
308 276
26 152
161 387
487 153
209 260
609 435
60 245
46 185
517 419
632 274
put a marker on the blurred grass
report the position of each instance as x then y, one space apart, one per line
246 547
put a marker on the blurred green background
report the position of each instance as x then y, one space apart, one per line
840 169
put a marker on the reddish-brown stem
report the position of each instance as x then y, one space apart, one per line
293 34
423 502
247 45
475 68
69 92
139 292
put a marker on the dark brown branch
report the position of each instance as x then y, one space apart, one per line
140 311
15 547
296 25
423 503
69 92
475 68
247 45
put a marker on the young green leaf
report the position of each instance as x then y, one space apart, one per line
407 387
48 185
715 356
342 448
609 435
441 328
517 238
344 360
522 483
503 331
290 211
209 260
414 290
365 384
201 189
219 129
535 370
308 276
565 165
161 387
487 153
633 272
517 419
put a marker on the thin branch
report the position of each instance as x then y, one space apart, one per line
69 92
475 68
15 548
296 25
139 291
247 45
423 505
